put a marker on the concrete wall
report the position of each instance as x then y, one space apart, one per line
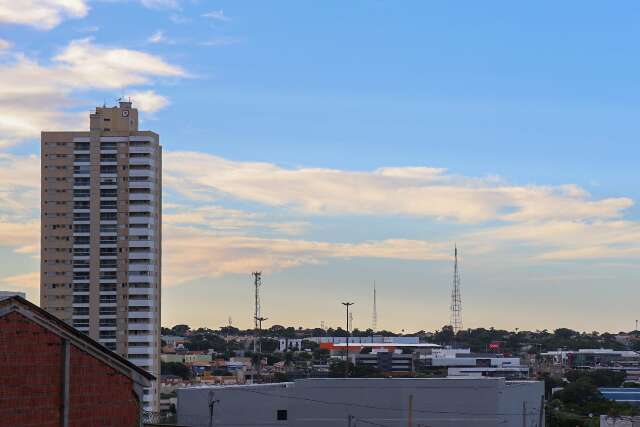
237 405
441 402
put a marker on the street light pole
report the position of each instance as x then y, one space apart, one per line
346 365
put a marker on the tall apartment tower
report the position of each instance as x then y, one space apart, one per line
101 234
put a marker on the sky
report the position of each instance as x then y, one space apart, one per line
333 144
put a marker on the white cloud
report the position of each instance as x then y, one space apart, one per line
221 41
412 191
157 37
217 15
4 44
148 101
41 14
161 4
35 97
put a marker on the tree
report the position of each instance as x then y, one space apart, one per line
176 368
180 330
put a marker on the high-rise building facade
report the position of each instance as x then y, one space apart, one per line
101 234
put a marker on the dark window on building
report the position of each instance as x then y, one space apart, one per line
281 415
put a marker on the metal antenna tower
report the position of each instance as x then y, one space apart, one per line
456 301
374 317
257 313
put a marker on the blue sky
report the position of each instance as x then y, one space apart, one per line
292 133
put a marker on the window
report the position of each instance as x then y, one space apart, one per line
108 263
139 297
108 157
107 275
79 169
108 240
139 261
108 311
140 249
139 214
281 415
139 155
139 273
81 275
82 181
139 309
81 251
81 216
80 263
110 345
134 225
108 204
108 228
138 344
138 238
140 202
80 311
140 167
108 252
138 143
81 193
107 334
108 192
108 216
81 204
107 287
108 169
139 178
81 158
80 287
81 240
108 299
80 323
81 299
108 322
81 146
139 190
109 181
139 285
81 228
108 145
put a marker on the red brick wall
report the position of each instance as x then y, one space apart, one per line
30 385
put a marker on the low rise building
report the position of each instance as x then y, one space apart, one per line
462 362
392 402
54 375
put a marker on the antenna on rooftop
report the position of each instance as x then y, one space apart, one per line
456 300
257 283
374 316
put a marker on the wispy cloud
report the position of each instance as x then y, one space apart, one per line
160 37
22 281
41 14
161 4
4 44
217 15
221 41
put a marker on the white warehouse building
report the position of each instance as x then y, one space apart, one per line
390 402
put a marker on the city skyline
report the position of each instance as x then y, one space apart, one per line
358 142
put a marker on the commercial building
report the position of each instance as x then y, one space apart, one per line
462 362
101 234
387 363
392 402
52 375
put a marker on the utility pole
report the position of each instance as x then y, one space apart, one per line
346 365
212 402
410 417
257 283
349 419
